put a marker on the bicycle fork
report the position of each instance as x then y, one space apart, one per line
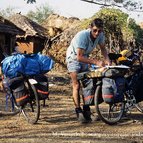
131 101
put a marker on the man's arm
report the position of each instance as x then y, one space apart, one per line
81 58
105 54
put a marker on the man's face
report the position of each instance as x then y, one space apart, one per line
95 31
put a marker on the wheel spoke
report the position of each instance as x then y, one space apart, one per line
109 113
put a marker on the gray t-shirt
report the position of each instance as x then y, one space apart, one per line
82 40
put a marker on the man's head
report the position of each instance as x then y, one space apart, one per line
96 27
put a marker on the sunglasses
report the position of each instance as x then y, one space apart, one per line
96 30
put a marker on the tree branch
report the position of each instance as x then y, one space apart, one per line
92 1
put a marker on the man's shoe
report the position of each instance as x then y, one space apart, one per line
80 115
81 118
87 115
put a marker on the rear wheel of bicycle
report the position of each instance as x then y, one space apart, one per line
31 110
108 113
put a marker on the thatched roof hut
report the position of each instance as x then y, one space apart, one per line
35 35
8 32
30 27
8 27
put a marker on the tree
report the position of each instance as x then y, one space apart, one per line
118 32
7 12
130 5
30 1
137 32
41 13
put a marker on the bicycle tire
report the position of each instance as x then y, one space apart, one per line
109 113
31 110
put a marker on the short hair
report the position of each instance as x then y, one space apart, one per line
97 22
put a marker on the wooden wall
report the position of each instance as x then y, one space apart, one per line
7 42
31 45
25 47
2 43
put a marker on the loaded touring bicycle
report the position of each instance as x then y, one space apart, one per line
25 84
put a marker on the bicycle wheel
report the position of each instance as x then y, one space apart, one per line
31 110
108 113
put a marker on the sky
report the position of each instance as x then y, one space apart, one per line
67 8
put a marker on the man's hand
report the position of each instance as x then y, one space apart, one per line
100 63
108 62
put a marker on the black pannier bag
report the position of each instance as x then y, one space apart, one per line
18 89
21 94
88 91
137 87
113 89
42 87
139 91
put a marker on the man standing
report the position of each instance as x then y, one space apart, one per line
77 58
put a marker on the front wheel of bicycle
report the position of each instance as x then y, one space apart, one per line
139 106
108 113
31 110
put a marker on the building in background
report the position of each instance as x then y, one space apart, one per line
8 32
35 36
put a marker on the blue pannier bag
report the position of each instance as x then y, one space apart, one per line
113 89
88 91
12 65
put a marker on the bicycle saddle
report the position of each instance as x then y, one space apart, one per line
113 56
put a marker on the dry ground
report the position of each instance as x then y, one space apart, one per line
58 123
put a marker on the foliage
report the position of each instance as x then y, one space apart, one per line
30 1
128 4
137 32
119 1
115 21
118 27
7 12
118 30
135 5
41 13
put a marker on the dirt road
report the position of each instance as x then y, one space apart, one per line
58 123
